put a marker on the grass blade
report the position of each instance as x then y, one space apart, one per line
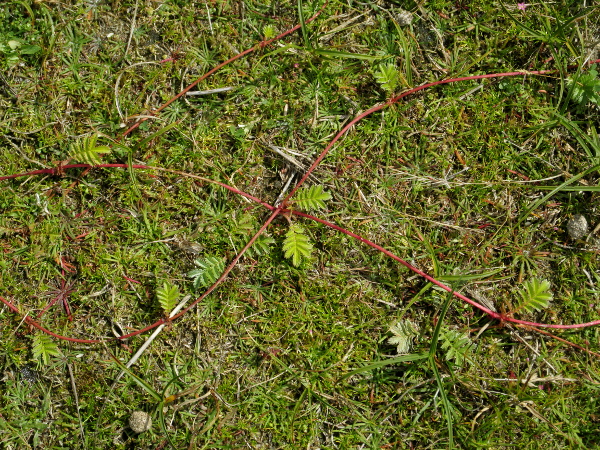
141 383
303 25
438 378
156 134
387 362
570 181
339 54
570 188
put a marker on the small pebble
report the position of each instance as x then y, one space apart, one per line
577 227
140 422
403 17
28 374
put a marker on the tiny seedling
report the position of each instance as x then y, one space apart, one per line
585 88
535 296
209 269
86 151
167 296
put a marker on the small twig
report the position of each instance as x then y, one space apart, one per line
449 176
284 190
288 157
342 27
117 103
209 20
132 29
211 91
8 87
530 381
589 277
143 348
23 155
472 91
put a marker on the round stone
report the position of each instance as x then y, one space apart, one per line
404 18
139 421
577 227
28 374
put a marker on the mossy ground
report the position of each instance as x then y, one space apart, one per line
444 179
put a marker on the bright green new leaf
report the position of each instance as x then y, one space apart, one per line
43 348
296 245
312 198
387 77
167 296
535 295
86 151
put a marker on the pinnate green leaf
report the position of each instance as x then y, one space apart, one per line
387 76
43 348
535 295
87 152
167 296
296 245
585 88
261 246
456 345
209 270
313 197
403 333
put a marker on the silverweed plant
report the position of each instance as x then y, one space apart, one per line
413 164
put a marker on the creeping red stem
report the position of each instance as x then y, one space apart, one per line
280 209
